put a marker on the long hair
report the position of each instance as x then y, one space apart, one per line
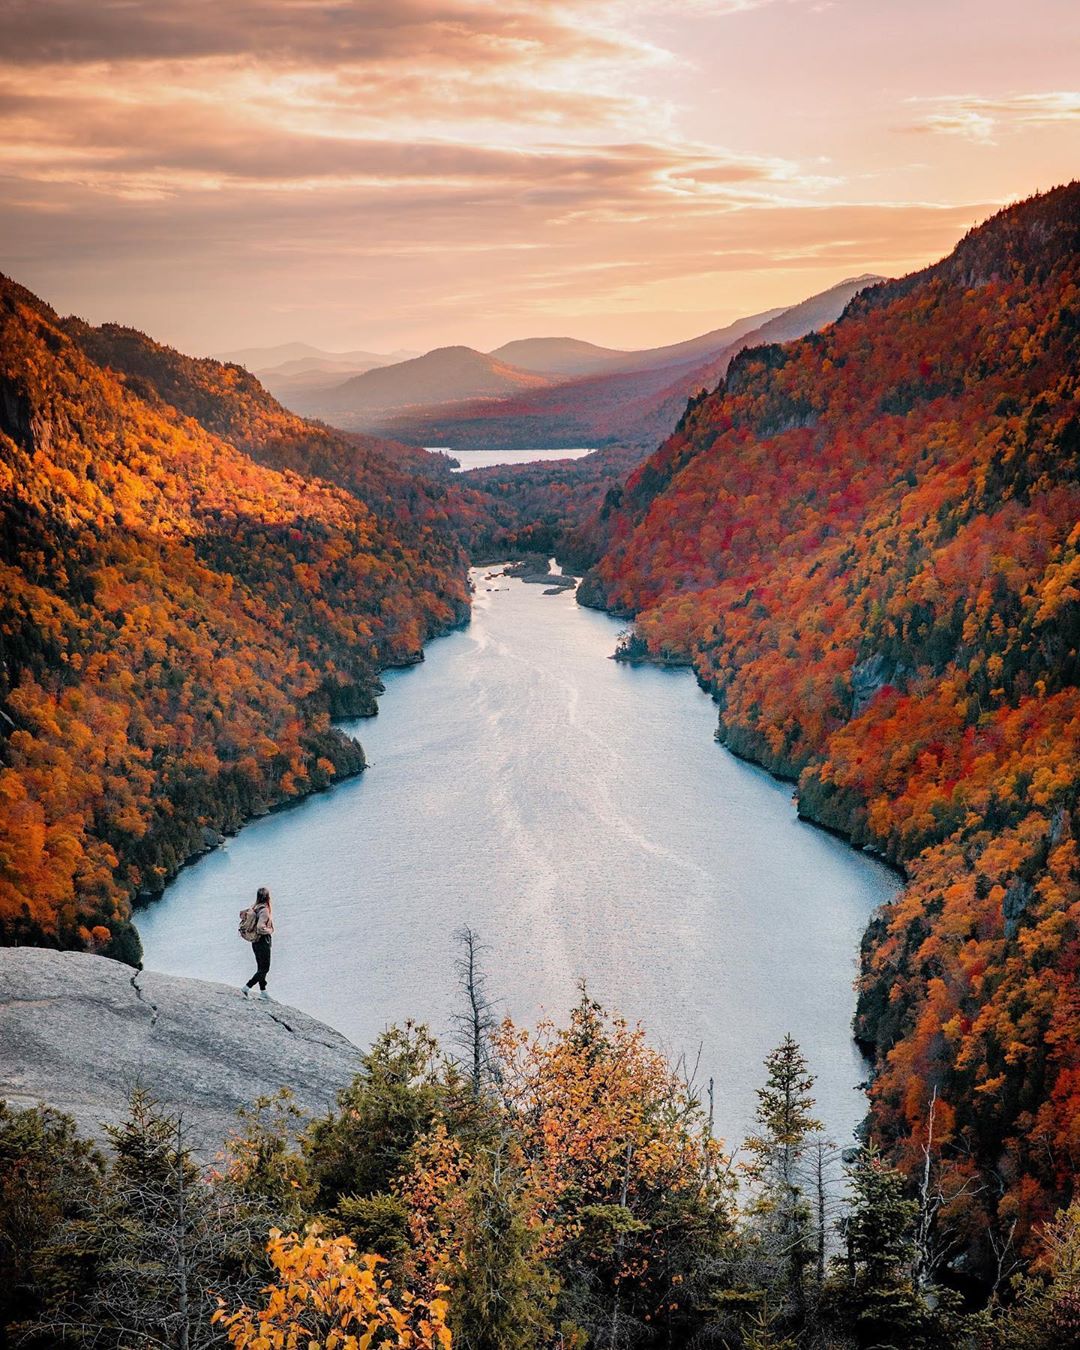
262 897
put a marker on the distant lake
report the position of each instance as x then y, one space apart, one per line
580 815
483 459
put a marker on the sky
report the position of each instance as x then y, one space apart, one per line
380 174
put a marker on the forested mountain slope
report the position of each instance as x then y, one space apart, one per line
229 402
866 542
402 484
178 622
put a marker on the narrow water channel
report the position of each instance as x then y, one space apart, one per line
576 812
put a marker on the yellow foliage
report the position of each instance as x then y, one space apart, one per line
327 1297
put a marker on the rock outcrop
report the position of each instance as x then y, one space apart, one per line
79 1032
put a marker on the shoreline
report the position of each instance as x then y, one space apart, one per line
143 900
866 1048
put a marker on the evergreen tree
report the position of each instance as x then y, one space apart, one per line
263 1161
50 1180
785 1119
165 1242
502 1292
880 1229
874 1295
361 1148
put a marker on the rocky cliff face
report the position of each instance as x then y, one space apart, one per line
79 1032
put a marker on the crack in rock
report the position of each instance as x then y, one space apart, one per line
139 995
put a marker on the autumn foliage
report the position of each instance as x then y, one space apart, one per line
601 1153
178 622
866 544
326 1294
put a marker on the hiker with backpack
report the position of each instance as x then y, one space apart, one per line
257 927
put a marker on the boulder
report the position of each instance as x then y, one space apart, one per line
80 1032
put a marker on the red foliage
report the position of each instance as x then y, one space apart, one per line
867 544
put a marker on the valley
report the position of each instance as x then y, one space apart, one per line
860 532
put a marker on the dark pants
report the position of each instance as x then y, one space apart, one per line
261 948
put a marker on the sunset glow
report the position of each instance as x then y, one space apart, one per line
389 173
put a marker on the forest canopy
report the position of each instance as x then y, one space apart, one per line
866 544
188 598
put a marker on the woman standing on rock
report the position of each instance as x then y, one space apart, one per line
257 927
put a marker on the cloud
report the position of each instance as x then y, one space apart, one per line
385 167
148 99
981 119
295 32
39 32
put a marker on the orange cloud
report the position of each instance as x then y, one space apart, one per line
412 171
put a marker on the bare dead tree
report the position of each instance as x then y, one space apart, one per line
941 1188
1006 1258
477 1020
823 1159
165 1241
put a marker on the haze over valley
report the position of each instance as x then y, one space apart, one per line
548 391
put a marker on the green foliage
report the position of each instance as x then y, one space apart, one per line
376 1223
263 1162
361 1148
49 1179
503 1294
880 1229
872 1293
156 1246
781 1213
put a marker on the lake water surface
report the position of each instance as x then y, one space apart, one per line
579 814
484 459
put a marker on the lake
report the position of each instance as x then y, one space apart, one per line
578 813
483 459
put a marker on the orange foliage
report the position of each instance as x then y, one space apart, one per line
327 1295
617 1168
178 623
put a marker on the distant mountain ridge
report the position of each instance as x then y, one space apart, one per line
571 357
292 367
272 358
635 400
447 374
557 355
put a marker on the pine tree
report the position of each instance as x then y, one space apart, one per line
875 1295
164 1243
879 1230
50 1184
503 1292
361 1148
785 1123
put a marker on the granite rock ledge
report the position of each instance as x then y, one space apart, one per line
80 1032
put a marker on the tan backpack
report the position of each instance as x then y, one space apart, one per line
249 924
